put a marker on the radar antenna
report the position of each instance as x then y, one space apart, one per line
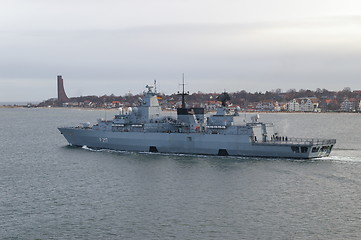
149 88
224 97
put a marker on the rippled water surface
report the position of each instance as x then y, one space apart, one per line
49 190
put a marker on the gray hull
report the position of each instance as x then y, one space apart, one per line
194 143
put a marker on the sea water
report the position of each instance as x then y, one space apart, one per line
49 190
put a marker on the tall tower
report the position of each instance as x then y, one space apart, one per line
61 92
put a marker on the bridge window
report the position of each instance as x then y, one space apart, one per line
315 149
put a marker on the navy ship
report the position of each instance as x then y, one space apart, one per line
147 128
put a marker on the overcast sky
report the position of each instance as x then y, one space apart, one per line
119 46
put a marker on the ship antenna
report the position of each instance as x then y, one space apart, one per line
183 81
183 93
155 86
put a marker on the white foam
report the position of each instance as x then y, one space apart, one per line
343 159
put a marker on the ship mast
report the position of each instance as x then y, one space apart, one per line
183 94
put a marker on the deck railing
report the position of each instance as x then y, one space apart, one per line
298 141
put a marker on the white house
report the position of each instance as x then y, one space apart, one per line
293 106
348 105
302 105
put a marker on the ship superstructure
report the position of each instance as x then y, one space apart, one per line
146 128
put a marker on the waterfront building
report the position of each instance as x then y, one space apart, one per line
303 105
348 105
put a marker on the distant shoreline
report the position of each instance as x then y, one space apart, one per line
20 103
